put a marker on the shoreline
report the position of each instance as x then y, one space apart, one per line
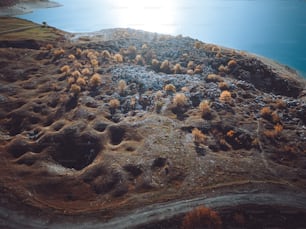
26 7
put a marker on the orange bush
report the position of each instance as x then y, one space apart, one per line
81 81
177 69
197 44
65 69
223 85
225 96
71 57
114 103
231 63
170 88
278 128
230 133
122 86
85 71
198 136
180 99
95 80
118 58
165 66
105 54
76 74
202 217
214 78
75 89
265 111
204 107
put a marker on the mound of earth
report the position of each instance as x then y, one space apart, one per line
96 127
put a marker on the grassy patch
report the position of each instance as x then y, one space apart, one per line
19 29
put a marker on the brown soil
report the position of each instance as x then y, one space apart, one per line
67 147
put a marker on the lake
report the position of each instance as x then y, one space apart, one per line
274 28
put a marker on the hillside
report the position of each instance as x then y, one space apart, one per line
95 127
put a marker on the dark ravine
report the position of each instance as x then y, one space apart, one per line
125 128
289 203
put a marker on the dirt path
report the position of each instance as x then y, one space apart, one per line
157 212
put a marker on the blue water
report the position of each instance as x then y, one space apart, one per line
271 28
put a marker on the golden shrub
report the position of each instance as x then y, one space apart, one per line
65 69
81 81
75 89
78 52
76 74
197 44
170 88
222 68
49 46
190 72
105 54
202 217
95 80
198 69
139 60
121 86
165 66
265 112
230 133
278 128
225 96
223 85
204 107
198 136
85 71
58 52
144 46
71 57
232 63
118 58
180 99
177 69
214 78
114 103
190 64
71 80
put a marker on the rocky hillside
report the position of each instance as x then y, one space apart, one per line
8 3
107 123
